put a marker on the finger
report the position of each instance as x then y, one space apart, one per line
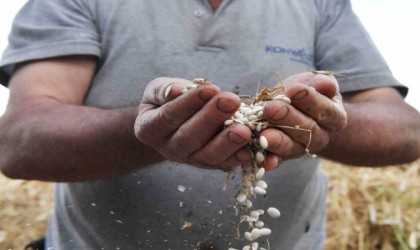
206 123
271 161
297 125
224 149
163 89
154 122
325 84
327 113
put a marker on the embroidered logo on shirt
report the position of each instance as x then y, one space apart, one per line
300 56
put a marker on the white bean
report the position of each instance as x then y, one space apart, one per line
283 98
248 236
260 191
244 110
263 142
273 212
251 112
228 122
254 214
254 246
241 197
260 173
248 203
259 157
199 80
264 231
259 224
262 184
239 116
255 233
252 118
258 127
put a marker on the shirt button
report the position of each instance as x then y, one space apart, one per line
198 13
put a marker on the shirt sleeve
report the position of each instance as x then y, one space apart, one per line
45 29
343 46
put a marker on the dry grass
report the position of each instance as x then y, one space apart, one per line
373 208
368 208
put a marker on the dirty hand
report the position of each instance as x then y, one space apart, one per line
316 106
187 128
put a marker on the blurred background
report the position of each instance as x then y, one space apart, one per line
368 208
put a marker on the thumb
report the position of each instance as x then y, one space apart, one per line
164 89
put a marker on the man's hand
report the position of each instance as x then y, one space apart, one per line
316 106
186 128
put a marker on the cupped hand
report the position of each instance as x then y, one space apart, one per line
187 128
316 112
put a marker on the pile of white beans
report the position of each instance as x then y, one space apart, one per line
253 184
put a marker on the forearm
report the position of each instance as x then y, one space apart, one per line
378 133
58 142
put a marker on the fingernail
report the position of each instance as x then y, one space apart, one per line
301 94
168 90
206 94
281 114
226 105
235 138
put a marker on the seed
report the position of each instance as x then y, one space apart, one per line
282 98
241 197
245 110
273 212
239 116
263 142
199 80
251 126
254 214
255 233
259 224
252 111
260 173
260 211
258 127
259 157
248 236
254 246
228 122
262 184
248 203
230 248
260 191
246 248
238 121
264 231
252 118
